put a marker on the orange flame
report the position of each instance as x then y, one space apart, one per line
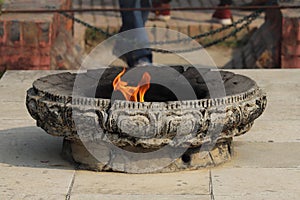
131 93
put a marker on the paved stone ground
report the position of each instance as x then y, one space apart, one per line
266 164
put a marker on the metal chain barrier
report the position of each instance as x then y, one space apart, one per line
247 20
231 34
105 33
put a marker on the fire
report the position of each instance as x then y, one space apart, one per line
132 93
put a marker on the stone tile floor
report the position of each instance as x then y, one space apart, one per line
266 162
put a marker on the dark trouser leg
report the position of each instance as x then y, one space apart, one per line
225 2
134 20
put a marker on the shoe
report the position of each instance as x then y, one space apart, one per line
162 15
222 16
142 62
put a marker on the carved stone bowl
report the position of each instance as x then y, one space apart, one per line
148 126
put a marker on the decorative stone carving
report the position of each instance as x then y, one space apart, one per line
148 125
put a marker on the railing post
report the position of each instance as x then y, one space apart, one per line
273 21
290 42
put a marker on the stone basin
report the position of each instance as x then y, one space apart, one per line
186 125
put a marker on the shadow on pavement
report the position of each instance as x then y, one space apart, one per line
31 147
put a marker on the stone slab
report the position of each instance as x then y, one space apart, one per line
281 111
256 183
31 147
14 110
184 183
267 196
6 93
138 197
25 78
34 183
264 155
265 130
15 123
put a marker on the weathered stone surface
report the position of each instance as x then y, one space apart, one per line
25 146
34 183
265 155
184 183
256 183
50 101
192 159
187 123
138 197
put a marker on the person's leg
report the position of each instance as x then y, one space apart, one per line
145 14
131 19
225 2
261 2
163 15
223 16
134 20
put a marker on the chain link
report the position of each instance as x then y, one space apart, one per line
254 16
105 33
247 20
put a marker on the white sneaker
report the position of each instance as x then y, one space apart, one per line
143 62
222 21
162 17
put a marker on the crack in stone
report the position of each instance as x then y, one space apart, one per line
211 189
108 165
68 195
212 159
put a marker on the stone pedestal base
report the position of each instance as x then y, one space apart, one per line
193 158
